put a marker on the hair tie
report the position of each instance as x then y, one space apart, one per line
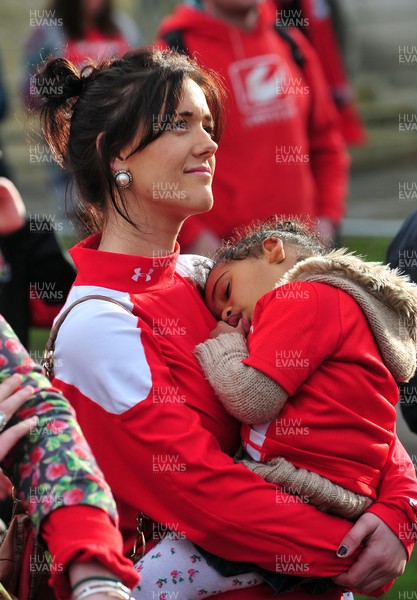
73 86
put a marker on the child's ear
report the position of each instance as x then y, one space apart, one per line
273 249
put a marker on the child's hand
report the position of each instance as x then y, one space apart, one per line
242 327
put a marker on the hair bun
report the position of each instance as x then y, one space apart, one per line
58 80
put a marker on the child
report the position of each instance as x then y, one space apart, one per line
315 384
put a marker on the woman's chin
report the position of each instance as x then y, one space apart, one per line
205 205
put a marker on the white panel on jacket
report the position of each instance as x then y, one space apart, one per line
104 356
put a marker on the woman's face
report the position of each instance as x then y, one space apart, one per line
172 176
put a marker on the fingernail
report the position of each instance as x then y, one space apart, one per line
342 551
29 390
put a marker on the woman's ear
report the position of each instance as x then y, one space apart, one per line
273 249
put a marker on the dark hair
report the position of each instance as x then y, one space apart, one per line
114 98
247 242
72 13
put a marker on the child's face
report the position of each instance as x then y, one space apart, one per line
233 288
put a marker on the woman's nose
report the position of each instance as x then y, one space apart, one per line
205 144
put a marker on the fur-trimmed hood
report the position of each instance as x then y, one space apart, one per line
387 298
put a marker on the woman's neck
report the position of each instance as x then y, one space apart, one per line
122 237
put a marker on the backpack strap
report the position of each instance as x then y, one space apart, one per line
48 353
297 55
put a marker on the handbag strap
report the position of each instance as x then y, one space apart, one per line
48 353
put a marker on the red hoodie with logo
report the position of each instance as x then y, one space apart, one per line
282 150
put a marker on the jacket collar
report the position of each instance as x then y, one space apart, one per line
124 272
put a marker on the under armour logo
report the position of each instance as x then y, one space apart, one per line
137 274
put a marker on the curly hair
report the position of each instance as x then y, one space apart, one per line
247 242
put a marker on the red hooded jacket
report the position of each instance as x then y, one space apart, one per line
282 150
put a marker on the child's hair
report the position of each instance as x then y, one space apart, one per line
247 243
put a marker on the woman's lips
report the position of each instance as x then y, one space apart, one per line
202 171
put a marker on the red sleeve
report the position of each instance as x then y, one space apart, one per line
96 539
285 345
328 152
397 496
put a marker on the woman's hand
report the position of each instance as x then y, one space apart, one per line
10 401
382 559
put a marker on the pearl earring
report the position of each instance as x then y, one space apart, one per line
123 179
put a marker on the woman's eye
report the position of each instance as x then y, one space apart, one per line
179 125
210 130
227 291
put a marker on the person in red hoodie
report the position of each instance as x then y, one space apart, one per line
282 150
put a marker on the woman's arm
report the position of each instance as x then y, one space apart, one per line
12 397
244 517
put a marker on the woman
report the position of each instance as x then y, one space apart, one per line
140 134
46 456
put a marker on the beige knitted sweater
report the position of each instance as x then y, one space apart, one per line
388 300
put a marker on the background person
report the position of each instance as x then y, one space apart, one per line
282 151
315 20
35 274
402 254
